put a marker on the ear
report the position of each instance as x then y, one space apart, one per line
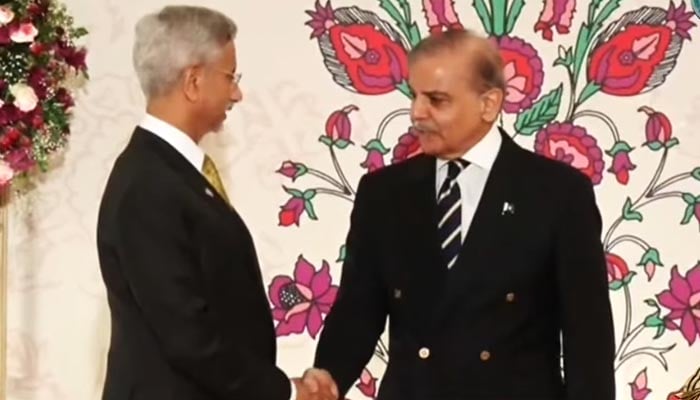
491 104
192 83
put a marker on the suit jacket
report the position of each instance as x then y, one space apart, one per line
526 281
190 319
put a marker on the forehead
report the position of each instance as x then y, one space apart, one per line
446 71
227 56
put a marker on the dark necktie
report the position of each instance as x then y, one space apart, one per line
449 207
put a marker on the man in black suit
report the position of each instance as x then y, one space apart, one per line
190 319
485 257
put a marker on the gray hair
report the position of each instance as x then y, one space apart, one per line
483 56
175 38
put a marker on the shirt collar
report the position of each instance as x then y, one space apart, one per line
176 138
484 153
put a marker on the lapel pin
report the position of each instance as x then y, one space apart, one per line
508 208
208 192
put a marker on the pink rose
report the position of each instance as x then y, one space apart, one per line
24 33
6 15
6 174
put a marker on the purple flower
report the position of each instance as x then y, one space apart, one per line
682 298
572 145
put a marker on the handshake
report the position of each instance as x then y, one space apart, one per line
316 384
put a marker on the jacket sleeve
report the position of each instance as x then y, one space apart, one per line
584 303
161 266
358 316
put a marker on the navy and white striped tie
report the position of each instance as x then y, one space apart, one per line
449 207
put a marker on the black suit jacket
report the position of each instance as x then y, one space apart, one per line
490 327
190 319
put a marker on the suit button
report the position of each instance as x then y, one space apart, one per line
424 353
510 297
485 355
397 293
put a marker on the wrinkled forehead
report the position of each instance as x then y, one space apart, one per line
446 72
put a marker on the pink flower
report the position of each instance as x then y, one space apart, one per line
659 130
339 127
558 14
572 145
441 14
300 302
407 147
375 155
292 169
619 273
523 73
639 386
23 33
6 174
621 167
6 15
367 384
682 298
20 160
291 211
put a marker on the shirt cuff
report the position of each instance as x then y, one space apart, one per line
293 395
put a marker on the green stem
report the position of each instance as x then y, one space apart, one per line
628 238
334 193
572 100
627 339
672 180
606 120
385 122
325 177
347 188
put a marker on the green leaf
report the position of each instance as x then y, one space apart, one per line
294 192
689 212
581 49
413 35
651 255
672 143
376 144
653 321
592 8
696 173
484 16
565 57
655 145
405 89
652 303
618 147
589 90
498 8
342 143
341 256
689 198
629 214
513 13
541 113
627 279
605 13
394 13
615 285
309 208
326 140
301 170
660 331
309 194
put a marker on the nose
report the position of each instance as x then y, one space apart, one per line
236 94
418 110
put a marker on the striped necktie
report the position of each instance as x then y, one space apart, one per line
449 206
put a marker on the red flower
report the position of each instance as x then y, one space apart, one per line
682 298
637 52
571 144
363 52
440 15
339 127
290 213
367 384
558 14
621 165
407 147
38 81
522 71
640 391
619 273
9 115
20 160
292 169
72 56
4 35
300 303
658 129
375 155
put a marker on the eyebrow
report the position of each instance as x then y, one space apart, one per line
430 93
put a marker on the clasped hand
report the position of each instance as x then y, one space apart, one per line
316 384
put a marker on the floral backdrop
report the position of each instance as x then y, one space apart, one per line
604 85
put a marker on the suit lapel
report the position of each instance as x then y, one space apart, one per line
489 227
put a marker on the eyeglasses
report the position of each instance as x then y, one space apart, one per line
235 78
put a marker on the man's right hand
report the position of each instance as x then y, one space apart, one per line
316 384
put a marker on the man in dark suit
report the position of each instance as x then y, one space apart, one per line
485 257
190 319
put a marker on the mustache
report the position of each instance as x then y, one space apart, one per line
424 128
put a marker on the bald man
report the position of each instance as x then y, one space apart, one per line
485 257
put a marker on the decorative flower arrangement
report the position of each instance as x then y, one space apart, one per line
39 66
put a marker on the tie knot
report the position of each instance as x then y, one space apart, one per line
454 167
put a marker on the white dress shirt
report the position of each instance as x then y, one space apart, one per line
181 142
472 179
